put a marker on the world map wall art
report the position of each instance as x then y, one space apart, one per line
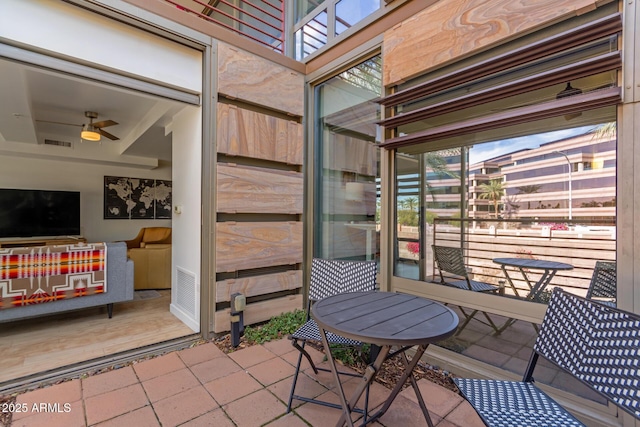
136 198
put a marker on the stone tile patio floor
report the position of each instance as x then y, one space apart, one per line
202 386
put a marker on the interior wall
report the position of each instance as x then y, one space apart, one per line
42 174
186 234
103 42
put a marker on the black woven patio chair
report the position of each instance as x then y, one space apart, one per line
595 343
451 260
603 286
330 277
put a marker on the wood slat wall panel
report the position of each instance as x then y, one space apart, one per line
251 134
251 78
452 29
247 245
350 154
245 189
259 312
258 285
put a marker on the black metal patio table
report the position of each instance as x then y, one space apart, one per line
549 268
384 319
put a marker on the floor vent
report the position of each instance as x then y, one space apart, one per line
57 143
186 291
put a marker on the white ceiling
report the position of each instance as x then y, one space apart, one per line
31 95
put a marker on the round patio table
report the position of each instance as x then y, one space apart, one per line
549 268
384 319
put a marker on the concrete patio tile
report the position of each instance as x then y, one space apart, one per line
200 353
67 392
216 418
184 406
143 417
108 381
73 418
515 365
438 399
232 387
405 412
318 415
251 356
158 366
506 347
487 355
255 409
271 371
214 369
289 420
377 392
304 387
463 415
280 347
292 359
114 403
169 384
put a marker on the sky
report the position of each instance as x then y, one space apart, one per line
489 150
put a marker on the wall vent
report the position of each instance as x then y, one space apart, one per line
186 291
57 143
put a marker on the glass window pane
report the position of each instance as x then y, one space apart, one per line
350 12
312 36
347 160
302 8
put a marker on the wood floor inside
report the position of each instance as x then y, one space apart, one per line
37 345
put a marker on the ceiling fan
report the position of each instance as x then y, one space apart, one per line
91 131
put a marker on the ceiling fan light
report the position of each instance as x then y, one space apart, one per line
90 133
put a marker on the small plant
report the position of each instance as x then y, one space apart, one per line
351 356
276 328
413 247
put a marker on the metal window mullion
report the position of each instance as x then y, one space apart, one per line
331 20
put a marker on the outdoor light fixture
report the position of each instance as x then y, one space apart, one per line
90 133
238 305
568 91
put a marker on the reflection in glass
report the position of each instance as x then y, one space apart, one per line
346 214
312 36
350 12
514 203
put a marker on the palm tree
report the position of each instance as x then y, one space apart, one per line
492 191
410 203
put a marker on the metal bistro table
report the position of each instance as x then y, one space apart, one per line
385 319
523 264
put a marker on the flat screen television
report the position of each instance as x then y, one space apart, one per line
41 213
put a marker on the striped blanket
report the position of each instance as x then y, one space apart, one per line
43 274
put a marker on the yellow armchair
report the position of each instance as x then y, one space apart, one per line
150 252
150 235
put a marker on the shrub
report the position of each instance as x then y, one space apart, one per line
276 328
413 247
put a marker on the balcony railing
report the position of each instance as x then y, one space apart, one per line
580 245
259 20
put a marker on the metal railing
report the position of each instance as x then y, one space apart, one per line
259 20
580 245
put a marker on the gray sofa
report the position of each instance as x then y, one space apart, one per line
119 288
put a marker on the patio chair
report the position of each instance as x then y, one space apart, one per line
603 283
451 260
330 277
